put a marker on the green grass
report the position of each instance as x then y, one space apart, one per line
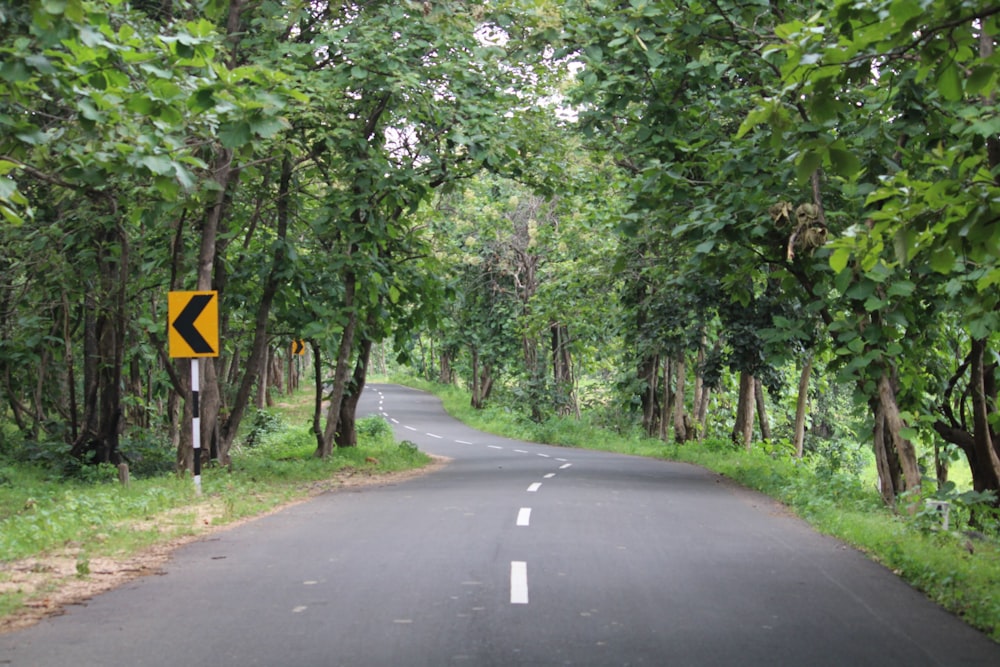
959 571
43 514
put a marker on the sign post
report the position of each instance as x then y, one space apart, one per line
194 333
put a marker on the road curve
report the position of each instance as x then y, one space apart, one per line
513 554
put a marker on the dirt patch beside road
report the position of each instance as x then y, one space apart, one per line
51 582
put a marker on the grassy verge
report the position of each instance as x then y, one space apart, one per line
50 525
960 570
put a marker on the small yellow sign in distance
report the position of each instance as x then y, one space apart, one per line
193 324
298 346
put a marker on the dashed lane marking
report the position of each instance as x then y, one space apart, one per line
518 582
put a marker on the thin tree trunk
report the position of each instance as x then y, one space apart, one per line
648 374
70 370
317 422
681 421
801 405
262 380
765 425
666 402
257 367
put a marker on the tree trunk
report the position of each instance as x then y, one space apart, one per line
347 433
341 369
445 376
648 373
887 476
986 463
260 402
743 428
70 370
256 370
682 430
562 371
801 405
902 448
765 425
209 397
699 393
104 351
536 377
666 401
317 421
482 381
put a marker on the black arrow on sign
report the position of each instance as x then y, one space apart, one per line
298 347
184 324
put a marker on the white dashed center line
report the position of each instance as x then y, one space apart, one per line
518 582
550 475
433 435
409 428
524 516
564 466
534 487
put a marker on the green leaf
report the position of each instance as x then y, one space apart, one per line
902 288
235 134
949 82
943 259
202 100
875 303
844 162
861 290
158 164
979 79
54 7
267 127
809 162
839 258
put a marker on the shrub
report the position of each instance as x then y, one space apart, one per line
262 424
373 427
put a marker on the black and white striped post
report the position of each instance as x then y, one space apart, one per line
196 422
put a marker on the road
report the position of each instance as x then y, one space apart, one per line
512 554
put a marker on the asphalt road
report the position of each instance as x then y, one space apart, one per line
512 554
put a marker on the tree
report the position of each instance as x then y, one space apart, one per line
922 243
